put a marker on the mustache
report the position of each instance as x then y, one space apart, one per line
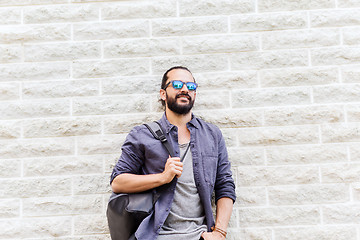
183 95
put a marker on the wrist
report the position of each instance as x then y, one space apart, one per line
219 231
162 178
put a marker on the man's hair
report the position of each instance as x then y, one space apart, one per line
165 78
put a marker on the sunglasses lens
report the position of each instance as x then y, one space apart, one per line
177 84
191 86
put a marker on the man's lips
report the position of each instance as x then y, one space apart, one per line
184 96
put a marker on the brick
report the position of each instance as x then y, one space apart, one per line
89 1
141 47
289 5
316 233
90 224
279 175
142 9
300 39
279 216
209 100
227 80
234 118
61 13
9 208
233 220
34 109
269 59
337 93
11 168
34 33
268 21
350 74
62 166
270 97
10 53
110 105
10 16
100 144
335 18
341 213
308 194
34 71
69 205
62 51
49 227
354 152
110 68
35 187
61 127
215 7
250 197
303 115
298 76
250 233
340 173
9 130
111 30
220 44
60 89
9 91
92 184
335 56
29 2
196 63
110 161
105 236
343 132
123 124
355 189
278 136
156 105
40 148
189 26
303 154
230 136
348 3
246 156
130 85
351 35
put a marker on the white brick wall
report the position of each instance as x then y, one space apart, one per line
281 78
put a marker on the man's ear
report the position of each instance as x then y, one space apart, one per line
163 94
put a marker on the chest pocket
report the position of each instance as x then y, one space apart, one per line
210 167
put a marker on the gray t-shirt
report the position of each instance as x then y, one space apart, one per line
186 220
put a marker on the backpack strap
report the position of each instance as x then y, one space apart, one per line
157 131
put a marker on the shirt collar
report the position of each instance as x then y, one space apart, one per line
168 126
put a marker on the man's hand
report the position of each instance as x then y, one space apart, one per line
212 236
173 167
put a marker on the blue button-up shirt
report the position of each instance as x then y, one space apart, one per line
143 154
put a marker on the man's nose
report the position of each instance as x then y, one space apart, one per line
184 88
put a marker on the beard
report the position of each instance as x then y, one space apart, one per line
181 109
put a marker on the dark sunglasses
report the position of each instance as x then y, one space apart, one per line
178 84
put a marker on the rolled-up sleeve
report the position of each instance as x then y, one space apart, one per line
224 185
131 158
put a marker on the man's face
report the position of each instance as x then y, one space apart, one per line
181 100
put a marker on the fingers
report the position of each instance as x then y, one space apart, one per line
173 167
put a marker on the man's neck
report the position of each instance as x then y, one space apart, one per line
178 120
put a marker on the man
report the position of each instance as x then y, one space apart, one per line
183 210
